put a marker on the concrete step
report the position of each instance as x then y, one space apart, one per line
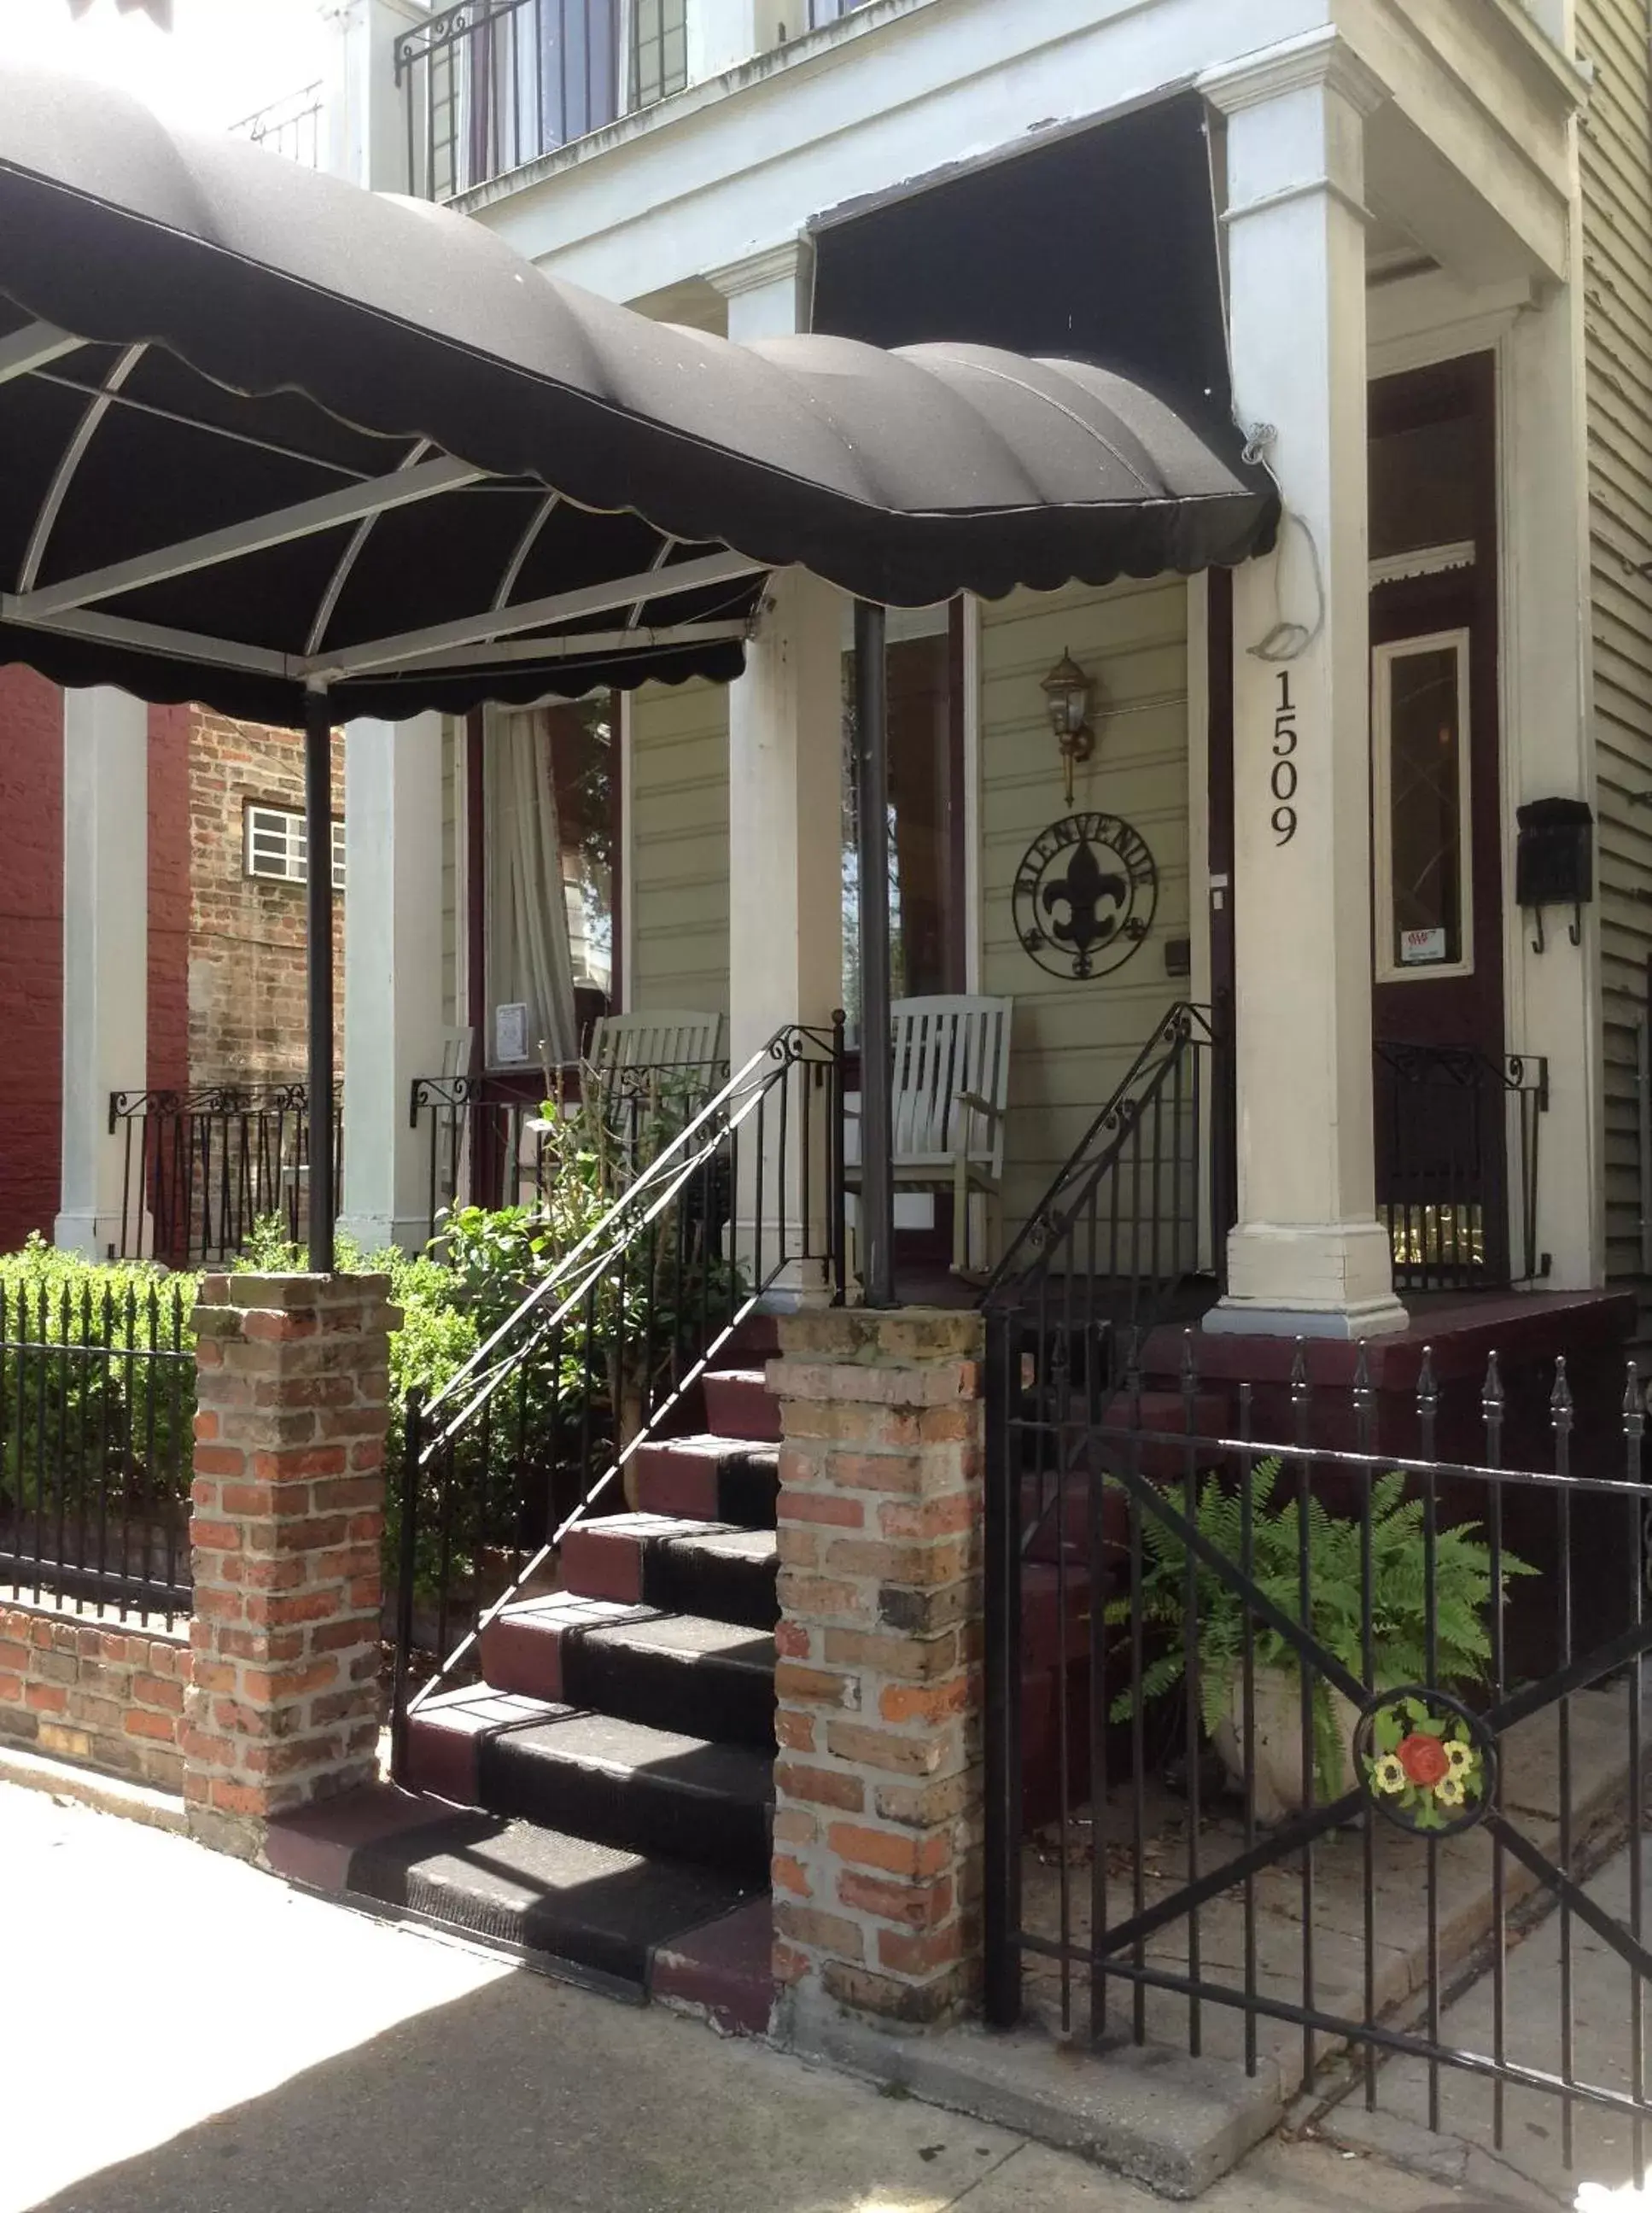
671 1671
658 1792
739 1404
677 1566
714 1477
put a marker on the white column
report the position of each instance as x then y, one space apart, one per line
1553 997
722 33
106 735
393 973
785 762
366 122
1307 1256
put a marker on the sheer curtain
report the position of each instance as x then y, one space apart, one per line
528 957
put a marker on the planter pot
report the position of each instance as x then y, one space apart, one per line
1269 1771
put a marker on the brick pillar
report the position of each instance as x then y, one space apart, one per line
878 1785
287 1513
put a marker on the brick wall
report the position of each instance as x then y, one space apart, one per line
247 1010
169 887
31 965
101 1694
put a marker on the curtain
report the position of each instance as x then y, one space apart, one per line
528 956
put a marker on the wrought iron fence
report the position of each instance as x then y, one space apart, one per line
291 126
1451 1123
486 1136
200 1168
97 1405
491 84
535 1432
1325 1755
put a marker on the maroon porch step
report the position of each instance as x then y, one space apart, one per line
708 1478
671 1671
708 1568
739 1404
444 1738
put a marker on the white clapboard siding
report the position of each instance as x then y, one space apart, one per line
1073 1041
1617 163
678 850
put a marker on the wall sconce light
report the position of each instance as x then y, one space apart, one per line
1067 691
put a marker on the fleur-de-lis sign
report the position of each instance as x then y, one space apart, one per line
1085 895
1083 891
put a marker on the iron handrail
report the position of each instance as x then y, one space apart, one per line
565 1302
643 1202
1185 1027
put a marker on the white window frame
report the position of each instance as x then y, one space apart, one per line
1383 657
260 817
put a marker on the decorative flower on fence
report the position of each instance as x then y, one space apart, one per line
1425 1761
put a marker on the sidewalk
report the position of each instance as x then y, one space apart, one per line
182 2034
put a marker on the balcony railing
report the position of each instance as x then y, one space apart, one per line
291 126
491 84
1456 1140
200 1169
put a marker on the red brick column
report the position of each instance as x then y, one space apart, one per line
287 1515
878 1785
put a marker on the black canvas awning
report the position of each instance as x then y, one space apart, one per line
261 431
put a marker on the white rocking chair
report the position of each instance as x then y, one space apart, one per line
950 1094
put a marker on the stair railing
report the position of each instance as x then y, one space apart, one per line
1139 1208
539 1424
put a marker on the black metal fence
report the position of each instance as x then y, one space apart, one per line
1319 1753
97 1406
485 1137
1457 1137
491 84
535 1432
200 1168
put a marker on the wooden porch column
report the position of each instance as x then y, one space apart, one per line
1308 1255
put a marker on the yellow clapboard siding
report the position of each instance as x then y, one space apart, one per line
1074 1041
680 847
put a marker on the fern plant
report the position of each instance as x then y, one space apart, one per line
1335 1615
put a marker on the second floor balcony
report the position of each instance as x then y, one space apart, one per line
489 86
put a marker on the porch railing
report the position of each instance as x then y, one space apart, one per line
491 84
1142 1205
97 1405
291 126
200 1168
484 1138
1457 1137
535 1431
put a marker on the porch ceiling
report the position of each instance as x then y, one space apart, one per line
265 433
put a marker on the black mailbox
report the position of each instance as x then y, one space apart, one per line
1554 859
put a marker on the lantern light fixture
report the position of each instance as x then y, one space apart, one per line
1067 691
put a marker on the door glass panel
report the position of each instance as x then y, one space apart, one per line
924 903
1423 805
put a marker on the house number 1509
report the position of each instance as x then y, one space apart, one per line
1283 781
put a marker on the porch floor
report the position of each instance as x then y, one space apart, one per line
1398 1946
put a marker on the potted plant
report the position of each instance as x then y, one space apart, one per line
1271 1769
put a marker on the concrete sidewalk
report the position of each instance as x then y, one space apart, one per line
182 2034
